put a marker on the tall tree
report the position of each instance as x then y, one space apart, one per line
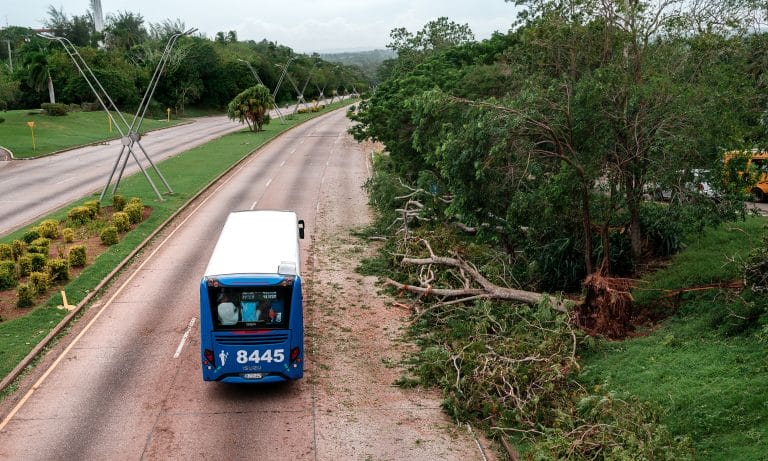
125 30
39 74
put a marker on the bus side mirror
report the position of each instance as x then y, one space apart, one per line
301 228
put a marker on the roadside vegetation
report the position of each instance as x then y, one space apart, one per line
555 302
188 173
202 73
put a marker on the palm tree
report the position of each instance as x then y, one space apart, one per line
40 73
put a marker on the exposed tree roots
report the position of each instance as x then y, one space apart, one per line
607 307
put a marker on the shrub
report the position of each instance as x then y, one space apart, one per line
109 235
6 252
8 278
25 296
40 282
39 261
2 119
41 245
77 257
121 221
25 265
19 247
58 269
134 212
118 203
69 234
756 267
49 229
80 215
94 206
31 235
56 110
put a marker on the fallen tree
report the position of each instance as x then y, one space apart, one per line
467 274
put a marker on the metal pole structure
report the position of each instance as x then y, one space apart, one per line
130 136
256 75
253 71
280 82
309 76
299 95
133 132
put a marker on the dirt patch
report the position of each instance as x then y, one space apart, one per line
355 339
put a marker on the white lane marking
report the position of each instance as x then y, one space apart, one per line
253 205
74 342
184 338
282 163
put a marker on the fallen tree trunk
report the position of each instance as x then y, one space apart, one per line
468 273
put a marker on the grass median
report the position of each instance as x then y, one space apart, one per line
52 134
187 173
705 367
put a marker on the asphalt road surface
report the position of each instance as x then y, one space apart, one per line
126 384
120 391
31 188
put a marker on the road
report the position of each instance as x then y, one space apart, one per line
31 188
125 384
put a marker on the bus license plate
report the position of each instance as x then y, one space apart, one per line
253 375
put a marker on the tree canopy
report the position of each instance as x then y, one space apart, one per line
547 139
201 71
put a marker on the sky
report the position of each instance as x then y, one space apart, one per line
304 25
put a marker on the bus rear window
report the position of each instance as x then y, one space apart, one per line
238 308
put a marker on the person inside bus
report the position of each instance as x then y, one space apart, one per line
263 313
228 312
250 314
275 312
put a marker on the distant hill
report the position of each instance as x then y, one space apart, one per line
368 61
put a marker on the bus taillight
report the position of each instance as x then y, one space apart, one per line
295 354
208 357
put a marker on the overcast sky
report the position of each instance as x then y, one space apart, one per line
304 25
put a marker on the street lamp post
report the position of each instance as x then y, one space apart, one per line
129 132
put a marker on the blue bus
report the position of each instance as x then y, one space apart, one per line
251 314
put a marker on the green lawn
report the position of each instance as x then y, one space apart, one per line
702 367
57 133
187 174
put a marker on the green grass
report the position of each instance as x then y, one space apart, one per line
712 258
187 174
703 366
53 134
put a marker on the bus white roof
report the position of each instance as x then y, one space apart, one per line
256 242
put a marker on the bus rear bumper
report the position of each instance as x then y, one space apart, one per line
252 378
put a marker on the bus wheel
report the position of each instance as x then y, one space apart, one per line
758 195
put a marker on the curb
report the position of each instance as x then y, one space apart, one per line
29 358
5 154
